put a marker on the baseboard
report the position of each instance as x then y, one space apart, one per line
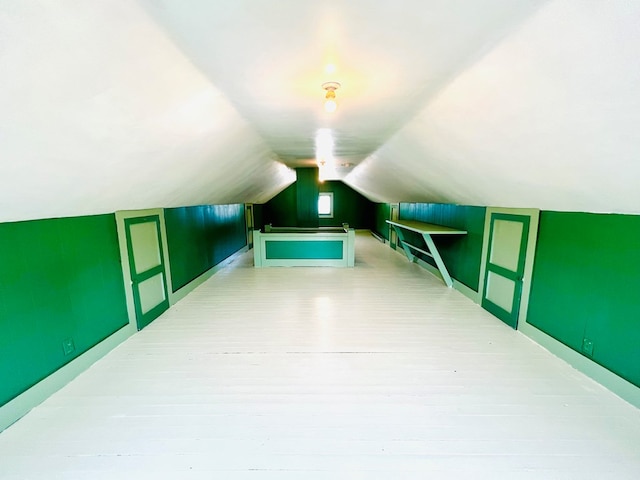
378 237
461 287
15 409
178 295
23 403
609 380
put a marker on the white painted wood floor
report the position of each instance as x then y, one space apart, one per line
377 372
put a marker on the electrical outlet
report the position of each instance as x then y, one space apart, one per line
587 347
67 346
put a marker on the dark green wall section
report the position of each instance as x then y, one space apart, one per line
307 197
586 283
281 210
382 213
200 237
258 216
349 206
60 284
461 254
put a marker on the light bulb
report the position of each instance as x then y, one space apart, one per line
330 105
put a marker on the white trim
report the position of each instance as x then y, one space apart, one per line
394 215
175 297
326 215
378 237
15 409
468 292
599 374
607 379
249 221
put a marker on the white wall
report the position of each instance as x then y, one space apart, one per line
100 112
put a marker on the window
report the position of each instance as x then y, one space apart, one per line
325 205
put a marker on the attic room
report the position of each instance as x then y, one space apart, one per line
167 133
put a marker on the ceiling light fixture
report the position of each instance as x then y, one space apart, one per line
330 104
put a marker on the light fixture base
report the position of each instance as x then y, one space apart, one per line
331 86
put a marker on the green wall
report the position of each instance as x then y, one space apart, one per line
461 254
586 282
258 216
348 205
202 236
586 276
307 197
382 213
60 279
281 210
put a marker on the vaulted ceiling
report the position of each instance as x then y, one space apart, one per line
125 104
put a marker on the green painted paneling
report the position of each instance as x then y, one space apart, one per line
258 216
297 249
59 279
307 197
461 254
281 210
586 281
200 237
382 214
348 206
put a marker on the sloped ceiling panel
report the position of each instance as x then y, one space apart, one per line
547 119
100 112
270 59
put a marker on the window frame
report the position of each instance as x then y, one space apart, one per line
330 196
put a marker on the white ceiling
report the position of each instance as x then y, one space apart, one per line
269 59
122 104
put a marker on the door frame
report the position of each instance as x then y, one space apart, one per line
394 215
250 223
124 256
534 217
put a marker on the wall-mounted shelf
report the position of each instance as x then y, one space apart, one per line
426 230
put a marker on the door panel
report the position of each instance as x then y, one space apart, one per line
148 276
505 251
505 266
145 246
500 291
151 292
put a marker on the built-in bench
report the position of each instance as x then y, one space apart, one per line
304 247
426 230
